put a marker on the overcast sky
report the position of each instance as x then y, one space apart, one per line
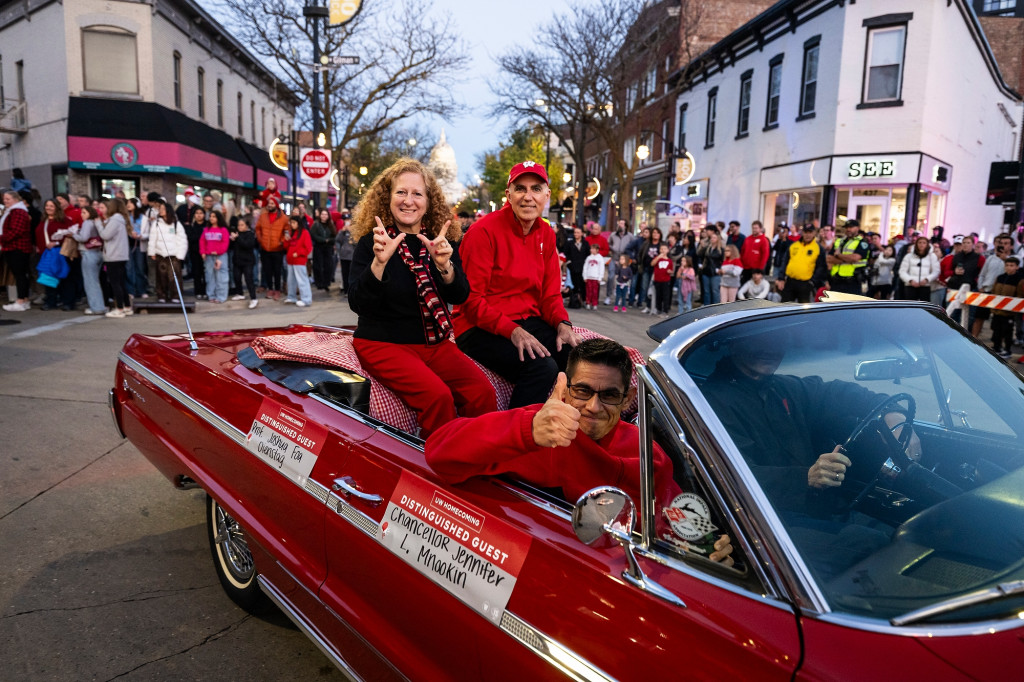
489 29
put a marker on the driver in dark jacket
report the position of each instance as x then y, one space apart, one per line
790 431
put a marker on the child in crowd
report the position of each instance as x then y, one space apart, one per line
686 277
732 268
756 287
880 285
298 245
1010 283
213 247
623 274
663 269
593 275
243 260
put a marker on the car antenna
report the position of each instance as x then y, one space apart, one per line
193 346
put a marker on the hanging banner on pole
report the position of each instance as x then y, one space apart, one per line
315 166
344 11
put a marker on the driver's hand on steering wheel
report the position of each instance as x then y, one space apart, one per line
895 420
829 471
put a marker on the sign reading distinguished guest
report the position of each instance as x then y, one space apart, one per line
472 555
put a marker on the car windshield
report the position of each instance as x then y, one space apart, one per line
890 520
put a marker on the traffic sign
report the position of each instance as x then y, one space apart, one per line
315 166
339 60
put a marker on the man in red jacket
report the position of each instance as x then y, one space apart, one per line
756 251
575 441
514 322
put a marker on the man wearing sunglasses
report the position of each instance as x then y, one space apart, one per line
575 441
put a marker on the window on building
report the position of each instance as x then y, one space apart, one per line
19 79
666 138
681 140
809 79
263 126
883 69
240 128
709 134
771 117
998 5
109 62
177 81
743 124
2 95
632 91
220 103
201 87
252 120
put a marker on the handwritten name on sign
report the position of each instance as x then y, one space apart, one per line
474 556
286 440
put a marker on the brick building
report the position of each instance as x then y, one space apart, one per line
106 95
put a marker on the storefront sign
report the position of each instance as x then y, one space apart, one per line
124 155
286 440
344 11
871 169
685 168
470 554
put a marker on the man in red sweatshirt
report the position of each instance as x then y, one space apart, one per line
575 441
514 322
756 251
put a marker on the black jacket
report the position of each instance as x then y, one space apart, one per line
389 308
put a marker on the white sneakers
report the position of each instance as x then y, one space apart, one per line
301 304
115 312
18 307
238 297
253 303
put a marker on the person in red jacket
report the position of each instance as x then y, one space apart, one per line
269 191
298 245
16 245
756 251
514 321
269 228
575 441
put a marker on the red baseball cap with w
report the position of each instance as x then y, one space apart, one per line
527 167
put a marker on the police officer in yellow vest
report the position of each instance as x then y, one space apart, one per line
804 268
849 261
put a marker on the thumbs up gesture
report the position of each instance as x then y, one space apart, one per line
383 248
556 423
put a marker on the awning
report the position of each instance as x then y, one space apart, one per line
145 137
260 161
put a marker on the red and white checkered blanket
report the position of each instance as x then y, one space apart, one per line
335 349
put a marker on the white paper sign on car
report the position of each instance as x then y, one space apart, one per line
286 440
474 556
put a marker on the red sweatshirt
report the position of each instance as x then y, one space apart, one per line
502 442
755 252
511 276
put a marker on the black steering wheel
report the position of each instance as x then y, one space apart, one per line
897 460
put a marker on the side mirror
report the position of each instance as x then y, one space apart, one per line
600 510
609 511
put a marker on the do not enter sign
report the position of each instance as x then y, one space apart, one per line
315 166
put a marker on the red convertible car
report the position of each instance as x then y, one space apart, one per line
909 566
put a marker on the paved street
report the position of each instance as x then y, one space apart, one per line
107 571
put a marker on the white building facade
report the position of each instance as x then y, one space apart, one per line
101 95
888 111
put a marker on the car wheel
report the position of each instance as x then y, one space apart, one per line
233 559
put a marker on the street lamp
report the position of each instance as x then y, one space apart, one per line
363 170
567 177
642 152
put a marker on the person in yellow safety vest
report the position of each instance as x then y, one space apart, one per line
849 260
803 268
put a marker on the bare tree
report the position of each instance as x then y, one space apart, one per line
406 68
562 81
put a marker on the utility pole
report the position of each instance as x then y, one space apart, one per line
315 12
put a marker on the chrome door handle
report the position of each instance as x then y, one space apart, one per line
347 485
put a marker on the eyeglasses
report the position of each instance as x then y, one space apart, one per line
609 396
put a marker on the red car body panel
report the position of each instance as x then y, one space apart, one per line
187 410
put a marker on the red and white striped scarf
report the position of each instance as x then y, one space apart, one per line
437 325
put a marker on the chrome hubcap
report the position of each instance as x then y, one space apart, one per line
233 547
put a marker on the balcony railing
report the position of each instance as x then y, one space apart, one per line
13 116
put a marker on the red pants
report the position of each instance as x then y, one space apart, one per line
593 291
432 380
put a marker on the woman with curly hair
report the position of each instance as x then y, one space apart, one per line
405 272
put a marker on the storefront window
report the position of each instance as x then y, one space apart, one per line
897 214
792 208
644 207
109 187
